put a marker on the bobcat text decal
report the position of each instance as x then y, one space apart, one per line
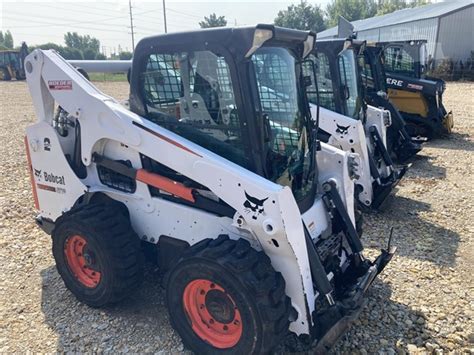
50 178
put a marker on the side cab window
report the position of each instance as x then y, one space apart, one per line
191 94
325 83
398 61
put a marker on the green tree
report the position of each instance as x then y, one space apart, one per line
82 43
6 39
49 45
89 54
303 16
100 56
388 6
351 10
125 55
213 21
71 53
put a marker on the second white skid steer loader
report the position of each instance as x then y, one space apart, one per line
249 215
348 123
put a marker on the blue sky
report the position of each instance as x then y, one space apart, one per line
46 21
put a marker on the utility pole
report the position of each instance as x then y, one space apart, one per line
131 24
164 16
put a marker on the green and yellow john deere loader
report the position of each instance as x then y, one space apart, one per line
418 97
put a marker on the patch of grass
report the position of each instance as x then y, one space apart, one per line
108 76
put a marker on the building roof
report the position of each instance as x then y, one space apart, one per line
406 15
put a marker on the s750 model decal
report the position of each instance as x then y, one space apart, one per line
60 84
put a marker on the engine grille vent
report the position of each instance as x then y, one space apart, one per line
115 180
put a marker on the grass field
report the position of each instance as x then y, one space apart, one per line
108 77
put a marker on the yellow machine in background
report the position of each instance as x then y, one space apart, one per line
409 102
11 63
419 98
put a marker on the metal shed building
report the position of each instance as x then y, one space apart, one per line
447 26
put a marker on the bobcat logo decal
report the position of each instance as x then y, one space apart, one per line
47 144
254 206
342 129
38 174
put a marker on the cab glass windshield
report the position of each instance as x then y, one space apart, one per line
323 93
350 89
290 159
191 94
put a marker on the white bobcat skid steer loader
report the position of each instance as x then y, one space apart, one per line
249 215
346 122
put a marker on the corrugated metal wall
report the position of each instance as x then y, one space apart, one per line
456 35
423 29
369 35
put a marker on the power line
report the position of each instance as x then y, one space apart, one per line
44 24
184 13
157 20
47 24
81 11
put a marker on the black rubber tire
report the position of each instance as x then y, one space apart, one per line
20 76
246 275
116 248
83 73
5 75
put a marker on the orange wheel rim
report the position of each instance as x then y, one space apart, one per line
213 313
81 261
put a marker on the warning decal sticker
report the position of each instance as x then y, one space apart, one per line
60 84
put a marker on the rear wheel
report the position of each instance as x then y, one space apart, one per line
225 297
5 75
97 254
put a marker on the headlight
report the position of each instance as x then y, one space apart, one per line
260 37
308 45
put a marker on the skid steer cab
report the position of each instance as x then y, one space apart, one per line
216 169
417 96
402 146
346 122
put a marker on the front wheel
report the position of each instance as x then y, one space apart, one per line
5 75
225 297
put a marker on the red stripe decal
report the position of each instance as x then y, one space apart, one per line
32 179
156 134
46 187
165 184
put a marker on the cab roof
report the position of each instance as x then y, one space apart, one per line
235 39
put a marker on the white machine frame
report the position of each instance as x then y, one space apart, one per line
117 133
350 135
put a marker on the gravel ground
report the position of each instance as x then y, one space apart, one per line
423 302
